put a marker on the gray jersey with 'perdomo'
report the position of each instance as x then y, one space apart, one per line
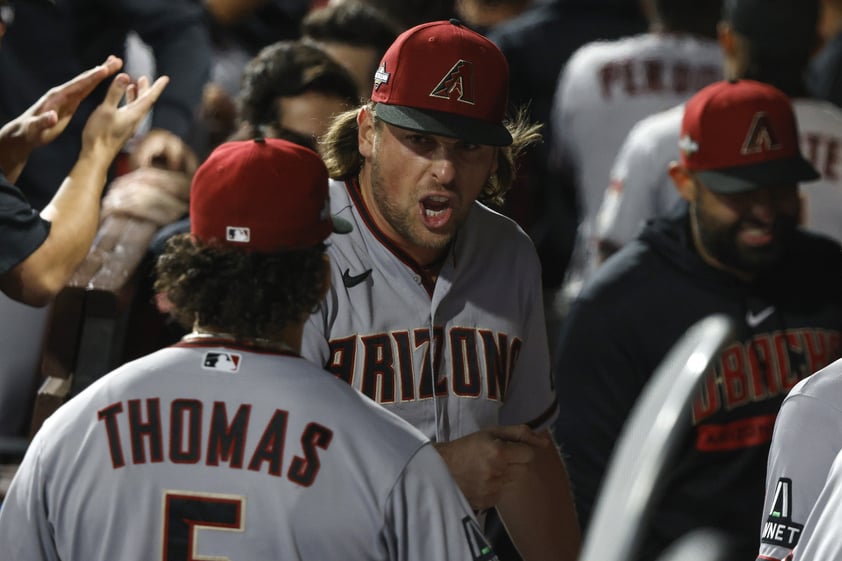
478 331
205 451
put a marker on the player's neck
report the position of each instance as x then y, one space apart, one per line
433 269
288 340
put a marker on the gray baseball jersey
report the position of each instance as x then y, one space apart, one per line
807 437
640 188
451 357
208 450
821 539
605 88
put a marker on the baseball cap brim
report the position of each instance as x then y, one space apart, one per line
766 174
444 124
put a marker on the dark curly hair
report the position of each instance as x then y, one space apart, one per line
250 295
352 22
286 69
409 13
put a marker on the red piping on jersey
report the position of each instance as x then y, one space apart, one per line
540 419
353 187
229 344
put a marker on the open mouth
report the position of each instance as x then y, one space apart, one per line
436 210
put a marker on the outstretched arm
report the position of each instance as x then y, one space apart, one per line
74 210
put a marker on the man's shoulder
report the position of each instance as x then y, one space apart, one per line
637 254
660 125
825 385
493 230
817 115
810 246
608 49
641 45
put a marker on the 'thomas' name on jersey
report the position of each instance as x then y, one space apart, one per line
451 357
216 451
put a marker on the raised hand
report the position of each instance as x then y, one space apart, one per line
111 125
482 463
48 117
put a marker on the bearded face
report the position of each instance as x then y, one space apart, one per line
747 232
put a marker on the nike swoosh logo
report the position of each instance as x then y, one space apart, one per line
353 280
753 320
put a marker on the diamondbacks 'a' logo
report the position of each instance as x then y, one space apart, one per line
761 136
779 528
226 362
480 550
460 80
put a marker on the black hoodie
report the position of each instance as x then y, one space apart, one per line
789 324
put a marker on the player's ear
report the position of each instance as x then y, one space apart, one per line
365 128
683 181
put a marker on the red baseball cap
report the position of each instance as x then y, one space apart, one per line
443 78
262 195
740 135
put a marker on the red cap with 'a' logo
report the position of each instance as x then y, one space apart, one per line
740 135
443 78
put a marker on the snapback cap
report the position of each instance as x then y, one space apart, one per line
741 135
263 196
443 78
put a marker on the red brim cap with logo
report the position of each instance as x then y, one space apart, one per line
445 79
263 196
740 135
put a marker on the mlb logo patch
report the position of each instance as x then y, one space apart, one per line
238 234
225 362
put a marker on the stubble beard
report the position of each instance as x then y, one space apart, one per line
720 241
406 223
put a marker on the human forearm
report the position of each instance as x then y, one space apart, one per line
538 512
74 214
74 211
